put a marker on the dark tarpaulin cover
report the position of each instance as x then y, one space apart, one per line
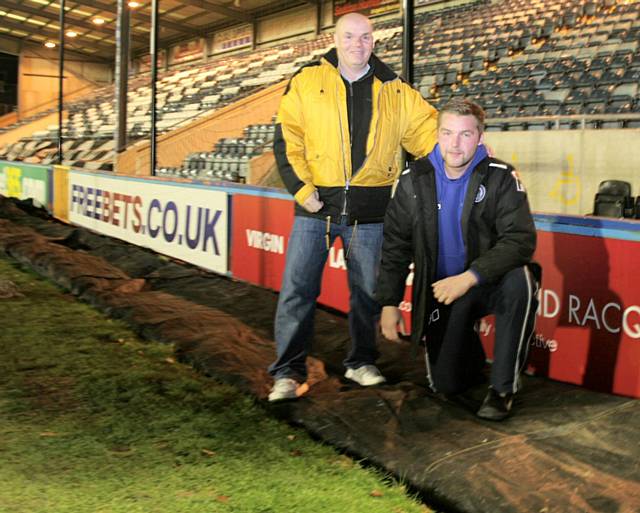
566 449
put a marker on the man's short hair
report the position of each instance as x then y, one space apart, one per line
464 107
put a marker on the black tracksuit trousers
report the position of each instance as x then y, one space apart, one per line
454 354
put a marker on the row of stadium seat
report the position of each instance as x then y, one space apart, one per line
182 96
519 59
542 64
229 159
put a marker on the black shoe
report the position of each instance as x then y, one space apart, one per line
495 406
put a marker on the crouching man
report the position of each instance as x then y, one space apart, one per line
463 218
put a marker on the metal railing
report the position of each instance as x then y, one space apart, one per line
580 119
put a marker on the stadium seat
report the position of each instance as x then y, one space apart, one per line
608 206
613 199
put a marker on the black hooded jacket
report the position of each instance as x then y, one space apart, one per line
497 228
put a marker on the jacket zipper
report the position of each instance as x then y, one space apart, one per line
351 119
344 163
375 138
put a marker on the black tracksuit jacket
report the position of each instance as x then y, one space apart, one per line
497 228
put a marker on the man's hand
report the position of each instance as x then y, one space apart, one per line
312 203
390 321
449 289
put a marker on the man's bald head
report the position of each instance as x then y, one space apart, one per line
354 43
353 18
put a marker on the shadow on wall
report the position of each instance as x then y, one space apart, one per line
586 327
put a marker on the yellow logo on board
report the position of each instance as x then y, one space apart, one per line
566 189
14 182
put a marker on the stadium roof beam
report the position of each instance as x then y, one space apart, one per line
139 16
181 21
225 11
53 35
71 20
86 57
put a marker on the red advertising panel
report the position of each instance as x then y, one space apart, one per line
588 323
189 51
366 7
588 320
144 62
260 232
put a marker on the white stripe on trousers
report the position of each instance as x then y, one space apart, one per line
519 366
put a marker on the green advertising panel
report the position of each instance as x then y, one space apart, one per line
24 181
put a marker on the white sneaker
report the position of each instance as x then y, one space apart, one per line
284 388
367 375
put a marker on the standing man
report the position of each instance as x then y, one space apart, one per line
339 129
463 218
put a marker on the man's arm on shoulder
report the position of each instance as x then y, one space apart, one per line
288 145
421 132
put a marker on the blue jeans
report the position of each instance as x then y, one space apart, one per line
306 257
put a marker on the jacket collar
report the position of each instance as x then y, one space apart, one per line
423 165
380 70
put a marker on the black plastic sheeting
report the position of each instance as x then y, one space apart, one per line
565 449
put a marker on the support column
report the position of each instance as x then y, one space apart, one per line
154 77
122 75
61 81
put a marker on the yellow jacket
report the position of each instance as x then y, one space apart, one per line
312 143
